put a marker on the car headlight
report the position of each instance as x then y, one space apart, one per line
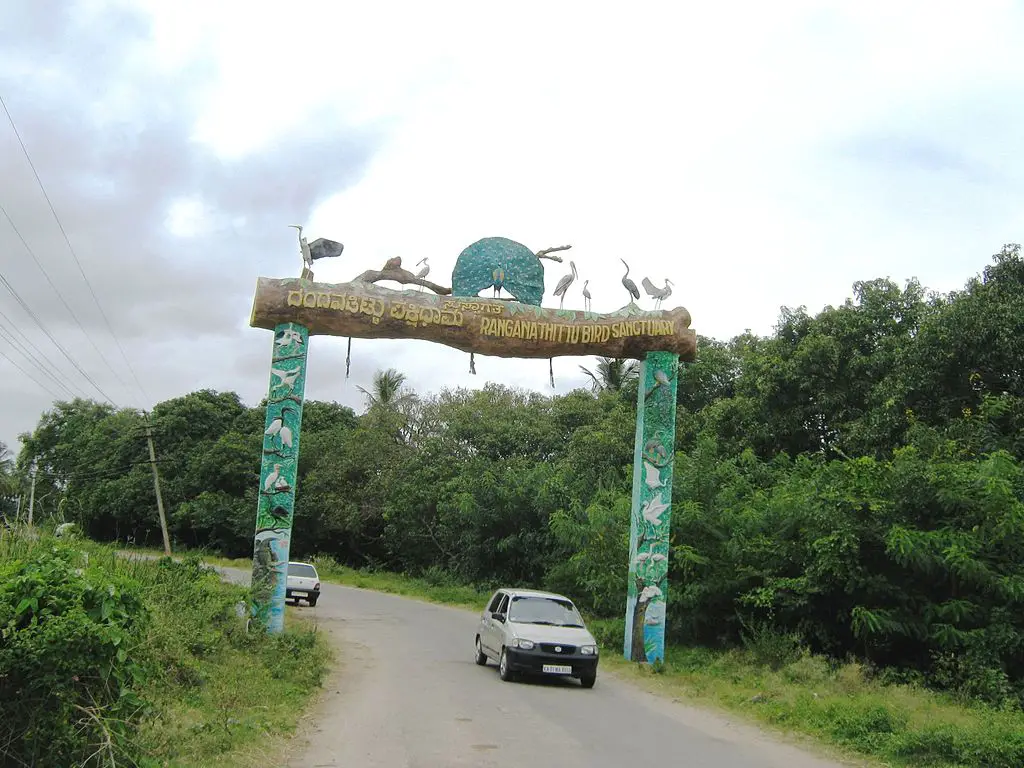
588 650
526 645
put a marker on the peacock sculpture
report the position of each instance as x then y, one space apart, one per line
501 264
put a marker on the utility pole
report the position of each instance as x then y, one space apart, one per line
32 495
156 485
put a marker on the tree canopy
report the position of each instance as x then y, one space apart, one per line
855 477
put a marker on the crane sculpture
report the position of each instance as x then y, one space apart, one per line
656 293
564 283
629 285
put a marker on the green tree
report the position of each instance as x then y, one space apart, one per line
611 374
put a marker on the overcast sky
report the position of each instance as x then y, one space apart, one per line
758 154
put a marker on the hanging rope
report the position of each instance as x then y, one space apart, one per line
472 364
348 357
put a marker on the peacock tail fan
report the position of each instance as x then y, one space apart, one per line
497 262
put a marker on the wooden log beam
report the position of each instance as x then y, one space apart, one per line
494 327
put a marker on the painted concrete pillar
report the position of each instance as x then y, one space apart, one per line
650 517
276 504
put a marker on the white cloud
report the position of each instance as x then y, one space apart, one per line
757 154
699 142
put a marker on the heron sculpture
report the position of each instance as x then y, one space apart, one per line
564 283
586 296
656 293
629 285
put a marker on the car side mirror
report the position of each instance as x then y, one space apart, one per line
500 617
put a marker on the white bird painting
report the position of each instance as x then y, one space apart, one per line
288 337
272 478
654 557
653 510
275 427
650 592
287 377
653 476
280 430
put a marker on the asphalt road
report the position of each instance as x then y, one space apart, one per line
407 694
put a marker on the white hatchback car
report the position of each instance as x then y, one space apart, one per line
303 582
528 631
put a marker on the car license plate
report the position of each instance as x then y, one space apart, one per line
557 669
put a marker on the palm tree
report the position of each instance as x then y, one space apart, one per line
388 391
611 374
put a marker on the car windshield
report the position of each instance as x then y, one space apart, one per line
544 610
301 569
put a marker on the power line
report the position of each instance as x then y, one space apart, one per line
29 375
28 309
74 255
17 345
60 296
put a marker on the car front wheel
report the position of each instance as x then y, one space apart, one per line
481 657
588 680
312 601
503 669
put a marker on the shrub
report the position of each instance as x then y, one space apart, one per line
69 679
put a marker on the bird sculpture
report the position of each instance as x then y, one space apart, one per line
564 283
586 296
629 285
321 248
656 293
307 257
424 271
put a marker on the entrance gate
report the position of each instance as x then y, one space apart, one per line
519 327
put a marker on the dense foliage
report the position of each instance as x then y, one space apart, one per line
855 478
98 654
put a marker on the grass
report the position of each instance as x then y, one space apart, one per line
219 695
250 700
839 708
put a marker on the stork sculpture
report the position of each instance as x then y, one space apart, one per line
586 296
